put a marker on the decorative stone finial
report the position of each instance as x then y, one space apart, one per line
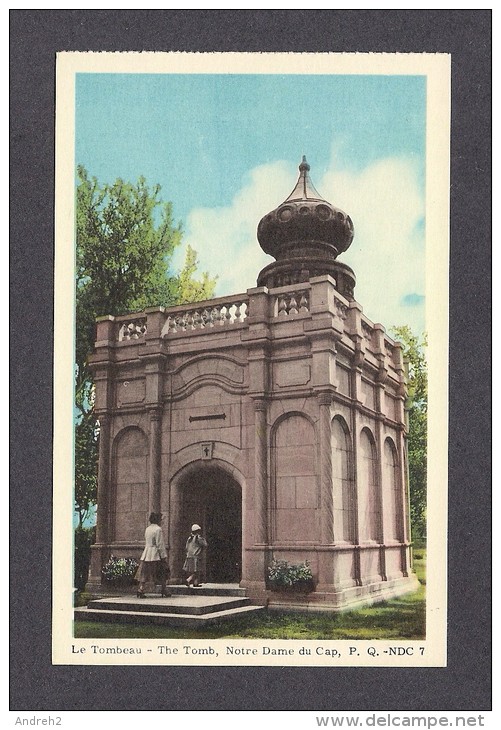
305 235
304 165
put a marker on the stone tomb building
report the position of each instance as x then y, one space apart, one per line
274 419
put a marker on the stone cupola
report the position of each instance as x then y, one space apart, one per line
306 234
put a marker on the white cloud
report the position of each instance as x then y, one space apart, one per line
385 203
387 254
225 239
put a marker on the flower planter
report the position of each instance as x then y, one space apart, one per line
119 573
284 577
301 586
119 583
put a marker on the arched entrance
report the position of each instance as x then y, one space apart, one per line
213 499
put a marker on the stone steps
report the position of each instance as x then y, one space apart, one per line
208 589
175 604
188 607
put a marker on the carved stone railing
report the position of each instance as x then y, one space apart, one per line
341 308
133 328
292 301
378 342
388 347
367 332
213 313
281 304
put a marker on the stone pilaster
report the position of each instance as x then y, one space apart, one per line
103 481
380 389
356 380
354 321
103 368
154 360
379 437
403 457
404 515
99 551
261 472
326 496
155 415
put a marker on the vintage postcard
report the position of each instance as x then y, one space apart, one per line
250 374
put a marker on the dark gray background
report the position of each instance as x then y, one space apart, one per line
36 36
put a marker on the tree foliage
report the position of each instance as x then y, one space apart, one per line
125 240
417 404
86 452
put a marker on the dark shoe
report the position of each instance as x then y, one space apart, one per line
164 594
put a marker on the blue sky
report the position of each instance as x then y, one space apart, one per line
225 149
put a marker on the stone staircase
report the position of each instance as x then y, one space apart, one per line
187 607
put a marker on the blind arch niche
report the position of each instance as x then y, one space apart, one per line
129 514
342 481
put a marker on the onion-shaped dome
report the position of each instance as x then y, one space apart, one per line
305 224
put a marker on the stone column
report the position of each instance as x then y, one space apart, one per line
379 442
403 458
258 339
154 459
261 472
153 358
103 486
404 506
326 487
380 389
326 558
99 551
103 369
354 326
356 385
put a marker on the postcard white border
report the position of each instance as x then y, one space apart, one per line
426 653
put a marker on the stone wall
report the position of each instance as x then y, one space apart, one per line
290 398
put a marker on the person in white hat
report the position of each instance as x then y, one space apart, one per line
194 546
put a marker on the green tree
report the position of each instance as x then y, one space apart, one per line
417 404
86 441
125 239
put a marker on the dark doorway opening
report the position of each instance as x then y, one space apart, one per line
213 499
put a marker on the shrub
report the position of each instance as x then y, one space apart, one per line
84 538
280 573
120 570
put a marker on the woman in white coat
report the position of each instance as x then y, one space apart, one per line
153 562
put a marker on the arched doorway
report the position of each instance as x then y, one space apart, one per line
213 499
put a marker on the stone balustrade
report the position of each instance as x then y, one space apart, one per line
388 349
286 302
222 312
367 332
133 328
292 301
377 341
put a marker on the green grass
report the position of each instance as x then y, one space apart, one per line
400 618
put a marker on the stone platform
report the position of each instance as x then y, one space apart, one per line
186 607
